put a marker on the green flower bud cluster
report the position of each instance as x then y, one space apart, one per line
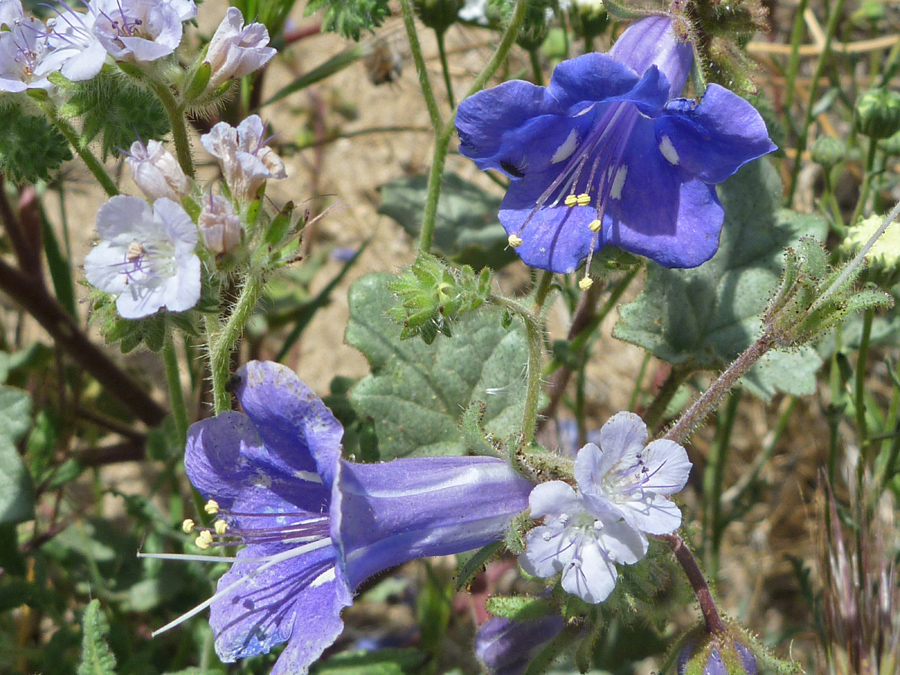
878 113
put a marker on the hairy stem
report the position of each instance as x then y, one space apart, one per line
173 379
74 139
409 22
175 112
685 558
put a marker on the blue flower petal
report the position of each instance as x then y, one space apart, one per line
297 429
716 137
591 77
299 599
484 120
556 238
652 42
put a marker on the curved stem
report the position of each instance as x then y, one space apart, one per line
685 558
442 52
862 426
175 112
173 379
74 139
676 377
711 398
866 186
409 22
222 342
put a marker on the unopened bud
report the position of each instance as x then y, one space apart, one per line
156 172
236 50
878 113
827 151
219 225
715 654
438 15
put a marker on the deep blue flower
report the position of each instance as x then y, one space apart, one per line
314 526
607 155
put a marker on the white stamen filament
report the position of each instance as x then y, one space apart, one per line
270 562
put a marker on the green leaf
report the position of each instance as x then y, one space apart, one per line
518 607
706 316
792 372
350 17
475 563
416 392
96 656
30 148
466 227
16 488
382 662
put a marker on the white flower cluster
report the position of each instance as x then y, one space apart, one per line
621 498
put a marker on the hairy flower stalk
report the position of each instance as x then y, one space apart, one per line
606 154
314 526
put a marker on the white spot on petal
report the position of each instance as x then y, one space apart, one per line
310 476
615 192
324 578
668 150
565 151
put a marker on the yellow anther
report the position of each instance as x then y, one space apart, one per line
203 540
585 283
212 507
515 240
583 199
220 527
188 526
571 200
596 225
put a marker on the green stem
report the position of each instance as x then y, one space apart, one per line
862 427
543 289
866 186
676 377
534 333
445 130
713 479
173 379
445 67
830 29
175 112
92 163
409 22
536 69
711 398
794 62
222 342
639 380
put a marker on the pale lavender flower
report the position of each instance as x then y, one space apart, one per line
315 526
156 172
219 225
237 50
620 499
242 153
77 50
23 54
633 479
146 256
11 13
141 31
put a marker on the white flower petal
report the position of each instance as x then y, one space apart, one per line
103 267
622 542
593 579
623 435
668 465
548 550
122 216
653 515
552 499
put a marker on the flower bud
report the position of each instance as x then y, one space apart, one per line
506 646
715 654
156 172
828 151
236 50
878 113
219 225
438 15
589 17
891 146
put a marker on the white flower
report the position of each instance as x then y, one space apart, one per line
11 13
632 478
141 30
219 225
242 153
236 50
619 499
23 54
146 256
76 49
156 171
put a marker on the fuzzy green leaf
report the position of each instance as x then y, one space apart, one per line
30 147
96 656
350 17
417 392
16 488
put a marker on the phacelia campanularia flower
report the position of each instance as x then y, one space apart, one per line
607 153
146 257
621 497
314 526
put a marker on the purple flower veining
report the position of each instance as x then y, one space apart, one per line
314 526
606 154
